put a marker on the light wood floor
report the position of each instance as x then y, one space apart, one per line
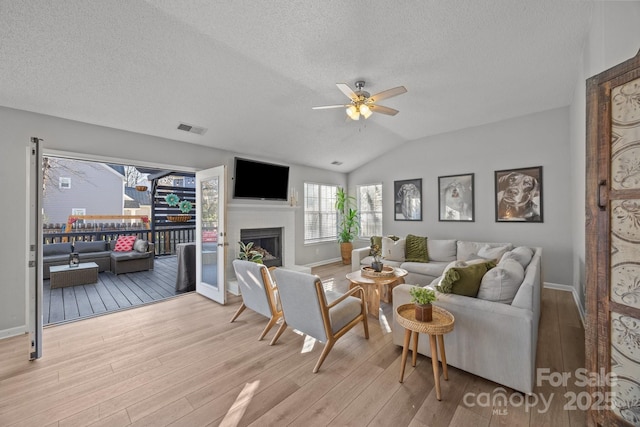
180 362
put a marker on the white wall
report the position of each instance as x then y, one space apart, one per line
87 140
614 37
535 140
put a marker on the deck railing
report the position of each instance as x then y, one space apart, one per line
165 239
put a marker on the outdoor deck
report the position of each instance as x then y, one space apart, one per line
111 293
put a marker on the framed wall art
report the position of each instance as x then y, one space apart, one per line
519 195
408 200
456 199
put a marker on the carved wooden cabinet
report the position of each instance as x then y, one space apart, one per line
613 244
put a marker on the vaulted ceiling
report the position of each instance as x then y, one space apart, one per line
250 71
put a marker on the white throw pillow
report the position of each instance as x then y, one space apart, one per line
522 254
501 284
495 252
393 250
441 250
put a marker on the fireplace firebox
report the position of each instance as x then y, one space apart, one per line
267 241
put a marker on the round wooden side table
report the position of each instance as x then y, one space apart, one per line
377 288
441 324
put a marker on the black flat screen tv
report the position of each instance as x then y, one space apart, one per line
260 180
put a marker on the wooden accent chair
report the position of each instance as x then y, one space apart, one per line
323 315
258 292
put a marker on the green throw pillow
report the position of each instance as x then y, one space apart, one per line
464 280
416 249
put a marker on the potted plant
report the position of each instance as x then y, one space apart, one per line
376 253
248 254
422 298
349 225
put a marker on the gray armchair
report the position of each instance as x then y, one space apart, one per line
258 292
323 315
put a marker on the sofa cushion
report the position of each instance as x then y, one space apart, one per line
124 243
495 252
85 256
393 250
441 250
123 256
416 249
56 249
84 247
469 250
522 254
141 245
501 284
464 280
56 259
433 268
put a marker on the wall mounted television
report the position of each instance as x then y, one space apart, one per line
260 180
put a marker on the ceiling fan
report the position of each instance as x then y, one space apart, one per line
364 104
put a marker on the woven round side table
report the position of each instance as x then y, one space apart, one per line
441 324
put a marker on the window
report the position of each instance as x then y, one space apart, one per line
64 183
370 209
320 215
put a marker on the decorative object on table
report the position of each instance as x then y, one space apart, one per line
408 200
456 201
519 195
422 298
141 187
247 253
386 271
185 207
376 253
349 224
74 259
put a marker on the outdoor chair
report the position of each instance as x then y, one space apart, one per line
323 315
258 292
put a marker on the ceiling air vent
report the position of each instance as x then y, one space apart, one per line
336 163
193 129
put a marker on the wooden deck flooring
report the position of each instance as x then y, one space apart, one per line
111 293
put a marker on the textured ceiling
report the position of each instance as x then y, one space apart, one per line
251 71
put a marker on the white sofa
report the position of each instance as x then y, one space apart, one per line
493 340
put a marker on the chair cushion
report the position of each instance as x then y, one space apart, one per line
501 284
124 243
344 312
416 249
393 250
441 250
56 249
84 247
123 256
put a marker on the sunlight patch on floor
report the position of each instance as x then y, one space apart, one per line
384 323
309 342
329 284
237 410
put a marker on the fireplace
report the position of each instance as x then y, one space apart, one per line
267 241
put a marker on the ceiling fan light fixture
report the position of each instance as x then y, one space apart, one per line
365 111
353 113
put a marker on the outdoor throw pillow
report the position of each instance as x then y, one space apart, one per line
392 250
124 243
140 246
416 249
464 280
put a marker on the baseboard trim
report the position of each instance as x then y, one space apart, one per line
323 262
576 300
12 332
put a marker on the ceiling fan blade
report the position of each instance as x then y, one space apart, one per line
326 107
387 94
383 110
344 88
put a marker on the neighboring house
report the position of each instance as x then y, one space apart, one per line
137 203
74 187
